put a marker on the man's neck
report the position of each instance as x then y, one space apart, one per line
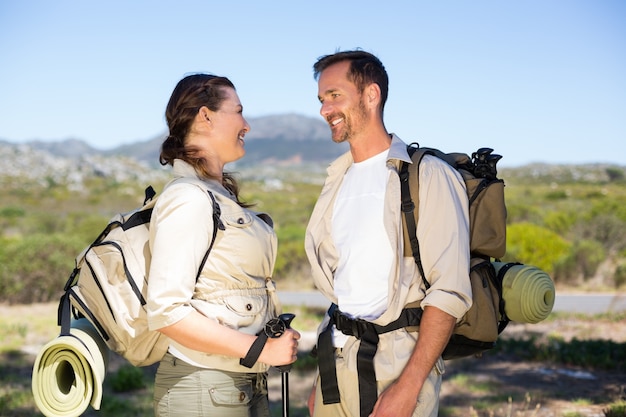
370 144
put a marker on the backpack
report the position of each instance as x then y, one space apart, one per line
479 328
109 283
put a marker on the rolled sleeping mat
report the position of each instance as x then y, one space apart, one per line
69 372
528 292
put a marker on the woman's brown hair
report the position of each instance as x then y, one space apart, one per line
189 95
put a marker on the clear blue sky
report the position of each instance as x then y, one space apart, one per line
537 80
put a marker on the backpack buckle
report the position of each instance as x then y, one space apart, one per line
407 206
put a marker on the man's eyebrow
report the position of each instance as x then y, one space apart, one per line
327 92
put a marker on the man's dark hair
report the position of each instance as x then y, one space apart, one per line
365 68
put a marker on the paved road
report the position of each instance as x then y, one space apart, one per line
573 303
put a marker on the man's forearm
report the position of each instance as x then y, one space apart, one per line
435 329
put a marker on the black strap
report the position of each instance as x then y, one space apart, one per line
504 319
255 351
367 333
217 224
408 207
327 365
368 392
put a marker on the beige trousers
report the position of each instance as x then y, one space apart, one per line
183 390
428 400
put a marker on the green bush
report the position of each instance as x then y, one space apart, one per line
607 229
127 378
615 174
581 262
290 249
616 410
620 275
535 245
560 222
35 268
590 354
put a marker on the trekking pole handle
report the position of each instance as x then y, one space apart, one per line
276 328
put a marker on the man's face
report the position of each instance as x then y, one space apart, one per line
342 104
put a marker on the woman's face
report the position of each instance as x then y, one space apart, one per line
227 129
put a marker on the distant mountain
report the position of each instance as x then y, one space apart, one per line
288 140
284 139
67 148
296 142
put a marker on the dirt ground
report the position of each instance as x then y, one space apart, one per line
495 385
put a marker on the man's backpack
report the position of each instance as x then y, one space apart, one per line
479 328
109 283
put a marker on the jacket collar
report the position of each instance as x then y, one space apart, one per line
397 152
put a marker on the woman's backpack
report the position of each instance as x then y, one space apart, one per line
109 283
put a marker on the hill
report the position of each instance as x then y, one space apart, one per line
286 139
290 142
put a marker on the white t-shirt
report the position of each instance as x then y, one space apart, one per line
365 253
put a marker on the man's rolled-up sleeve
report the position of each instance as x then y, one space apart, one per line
443 234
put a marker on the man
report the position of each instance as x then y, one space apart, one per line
371 361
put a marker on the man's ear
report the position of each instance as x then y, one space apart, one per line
372 92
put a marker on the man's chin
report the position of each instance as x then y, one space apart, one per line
339 138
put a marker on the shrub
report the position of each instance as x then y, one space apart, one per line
606 228
617 409
535 245
127 378
560 222
35 268
591 354
582 261
620 275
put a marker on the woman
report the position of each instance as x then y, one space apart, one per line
211 318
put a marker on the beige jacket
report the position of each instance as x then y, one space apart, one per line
235 286
444 242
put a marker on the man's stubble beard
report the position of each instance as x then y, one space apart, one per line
350 130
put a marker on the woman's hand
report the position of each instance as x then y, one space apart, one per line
282 350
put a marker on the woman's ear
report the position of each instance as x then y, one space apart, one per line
204 114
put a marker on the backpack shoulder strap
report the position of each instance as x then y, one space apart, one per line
217 212
217 224
409 184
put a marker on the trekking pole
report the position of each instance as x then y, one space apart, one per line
284 323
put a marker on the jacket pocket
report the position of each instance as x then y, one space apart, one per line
244 310
237 218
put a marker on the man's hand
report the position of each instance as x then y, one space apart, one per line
400 398
396 401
